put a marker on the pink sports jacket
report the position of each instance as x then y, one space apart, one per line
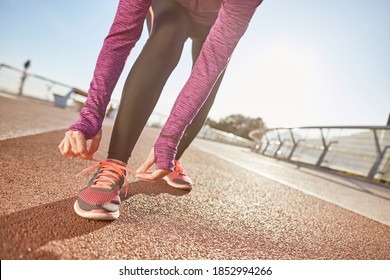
231 23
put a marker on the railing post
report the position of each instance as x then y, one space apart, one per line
22 81
280 143
266 147
294 148
326 148
295 144
379 156
24 77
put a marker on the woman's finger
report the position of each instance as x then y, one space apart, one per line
81 145
67 149
61 147
153 176
72 143
95 143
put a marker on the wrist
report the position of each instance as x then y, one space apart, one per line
89 123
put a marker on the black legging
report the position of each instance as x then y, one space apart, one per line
171 28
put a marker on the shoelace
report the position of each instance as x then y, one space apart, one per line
110 173
178 168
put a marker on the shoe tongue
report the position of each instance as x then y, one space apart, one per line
106 174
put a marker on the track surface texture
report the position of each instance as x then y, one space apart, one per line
232 212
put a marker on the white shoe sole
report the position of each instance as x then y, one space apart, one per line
95 214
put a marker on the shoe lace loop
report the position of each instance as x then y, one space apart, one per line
110 173
178 168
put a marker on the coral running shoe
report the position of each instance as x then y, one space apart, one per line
100 199
178 178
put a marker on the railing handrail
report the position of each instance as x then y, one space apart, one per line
34 75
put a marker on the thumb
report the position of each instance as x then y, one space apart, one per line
95 142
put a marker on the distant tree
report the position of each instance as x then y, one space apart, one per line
210 122
237 124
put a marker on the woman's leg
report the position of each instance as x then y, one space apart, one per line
194 128
148 76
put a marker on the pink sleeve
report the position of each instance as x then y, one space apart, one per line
232 22
124 33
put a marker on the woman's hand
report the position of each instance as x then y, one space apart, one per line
74 145
143 174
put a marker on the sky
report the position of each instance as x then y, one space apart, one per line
300 63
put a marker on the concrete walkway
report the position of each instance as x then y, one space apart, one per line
242 206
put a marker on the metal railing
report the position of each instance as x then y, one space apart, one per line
22 82
158 120
362 151
224 137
